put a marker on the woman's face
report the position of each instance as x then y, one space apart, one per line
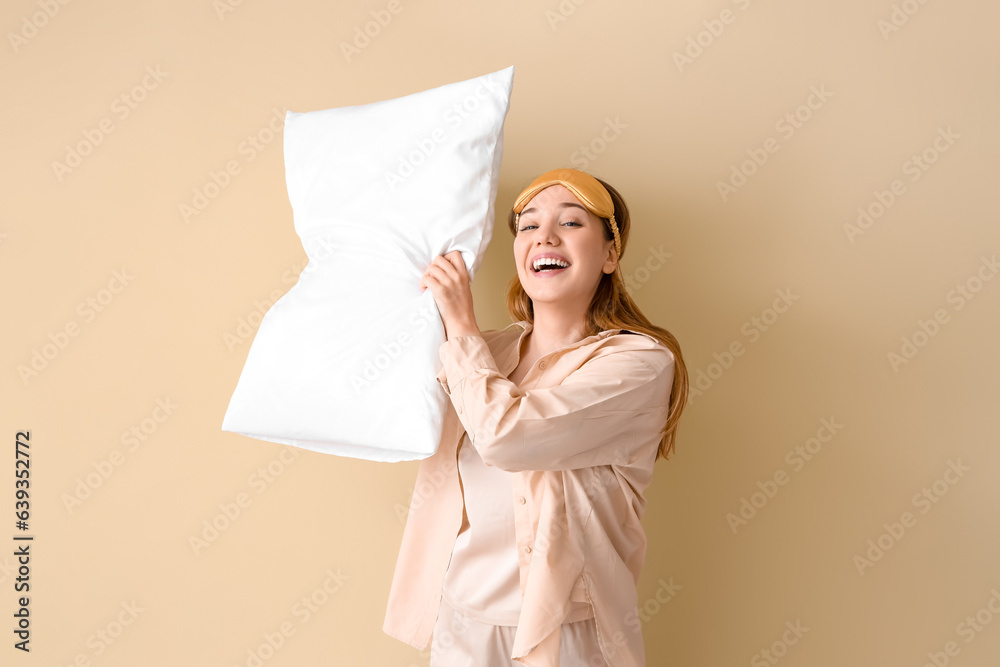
555 222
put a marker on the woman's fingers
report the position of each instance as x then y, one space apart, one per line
451 266
448 280
457 262
448 272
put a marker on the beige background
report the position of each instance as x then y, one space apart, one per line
606 77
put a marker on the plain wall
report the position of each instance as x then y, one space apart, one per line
809 111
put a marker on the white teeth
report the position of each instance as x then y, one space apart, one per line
544 261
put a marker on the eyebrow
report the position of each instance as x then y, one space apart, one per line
562 204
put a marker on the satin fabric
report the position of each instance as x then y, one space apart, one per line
483 578
459 641
580 435
594 196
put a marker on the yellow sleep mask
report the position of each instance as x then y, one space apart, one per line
586 188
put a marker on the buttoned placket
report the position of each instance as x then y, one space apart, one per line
409 619
523 530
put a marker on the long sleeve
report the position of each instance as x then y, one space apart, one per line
614 402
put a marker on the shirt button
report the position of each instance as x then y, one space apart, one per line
459 409
527 550
542 365
521 500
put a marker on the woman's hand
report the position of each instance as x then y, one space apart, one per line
449 282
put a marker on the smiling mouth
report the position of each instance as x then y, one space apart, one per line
548 267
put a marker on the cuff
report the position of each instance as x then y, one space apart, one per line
462 356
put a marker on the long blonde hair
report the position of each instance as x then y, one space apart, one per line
613 308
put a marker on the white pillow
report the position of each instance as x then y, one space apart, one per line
346 361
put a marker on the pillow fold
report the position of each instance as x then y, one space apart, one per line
346 361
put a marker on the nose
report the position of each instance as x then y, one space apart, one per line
547 235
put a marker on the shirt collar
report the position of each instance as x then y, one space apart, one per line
527 326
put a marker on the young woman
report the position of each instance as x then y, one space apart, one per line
523 544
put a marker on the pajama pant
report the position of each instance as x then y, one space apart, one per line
459 641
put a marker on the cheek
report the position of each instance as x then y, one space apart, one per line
520 253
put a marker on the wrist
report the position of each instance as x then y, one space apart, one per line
464 329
